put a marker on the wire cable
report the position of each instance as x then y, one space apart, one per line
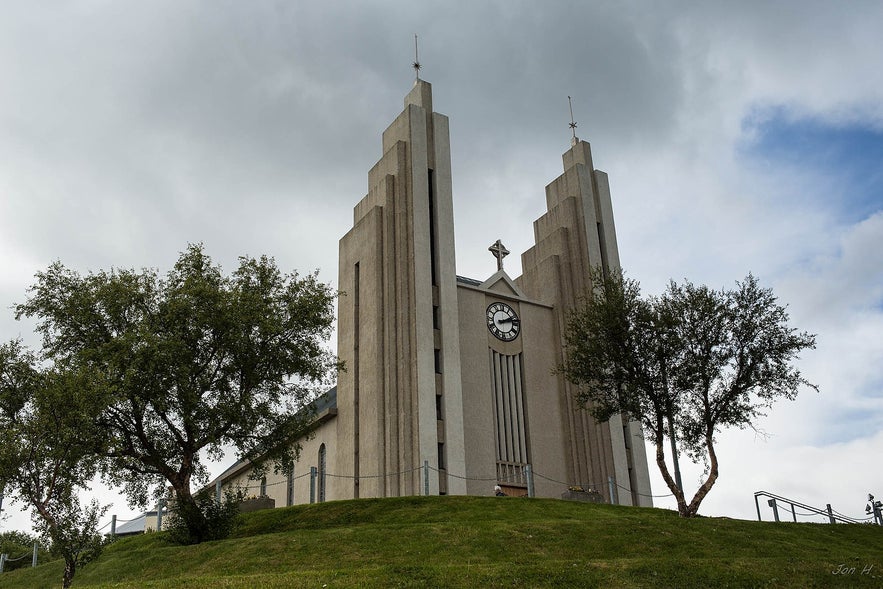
17 559
644 494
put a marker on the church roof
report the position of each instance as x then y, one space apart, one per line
469 281
324 408
138 524
326 401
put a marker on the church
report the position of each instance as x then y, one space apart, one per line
449 385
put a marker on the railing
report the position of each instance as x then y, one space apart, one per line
4 558
833 516
512 473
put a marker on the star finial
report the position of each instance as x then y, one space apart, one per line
573 125
416 65
499 250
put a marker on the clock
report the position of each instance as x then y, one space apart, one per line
503 322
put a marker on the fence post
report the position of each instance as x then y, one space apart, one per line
612 488
426 478
159 506
34 557
312 484
528 471
772 503
218 492
830 513
113 526
2 561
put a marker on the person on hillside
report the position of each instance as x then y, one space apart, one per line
498 491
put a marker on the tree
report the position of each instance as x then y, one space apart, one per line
47 452
190 362
692 361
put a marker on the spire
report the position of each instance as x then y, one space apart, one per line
575 139
416 65
421 92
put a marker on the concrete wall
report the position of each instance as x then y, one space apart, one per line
277 484
543 409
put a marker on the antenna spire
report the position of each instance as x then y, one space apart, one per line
573 125
416 65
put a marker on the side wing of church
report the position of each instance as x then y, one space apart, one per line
452 377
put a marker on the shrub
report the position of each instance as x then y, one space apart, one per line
218 519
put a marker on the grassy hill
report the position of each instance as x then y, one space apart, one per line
488 542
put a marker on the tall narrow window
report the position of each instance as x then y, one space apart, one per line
263 486
511 439
321 474
438 408
289 495
356 379
602 242
433 246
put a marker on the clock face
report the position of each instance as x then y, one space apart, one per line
503 322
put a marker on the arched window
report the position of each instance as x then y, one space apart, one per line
321 473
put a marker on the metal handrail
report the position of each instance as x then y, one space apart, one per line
827 512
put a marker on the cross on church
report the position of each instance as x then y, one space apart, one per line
499 250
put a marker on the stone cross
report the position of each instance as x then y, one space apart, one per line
499 250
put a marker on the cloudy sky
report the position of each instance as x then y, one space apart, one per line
738 137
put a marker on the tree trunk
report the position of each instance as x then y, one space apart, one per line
663 469
187 509
674 447
70 568
703 490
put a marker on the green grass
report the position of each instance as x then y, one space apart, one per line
487 542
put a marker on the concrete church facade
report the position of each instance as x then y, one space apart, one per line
451 372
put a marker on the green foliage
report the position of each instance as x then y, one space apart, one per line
48 442
488 542
72 531
220 519
190 361
694 361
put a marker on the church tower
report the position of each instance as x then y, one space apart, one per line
574 237
400 396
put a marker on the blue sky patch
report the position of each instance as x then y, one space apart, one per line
849 157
